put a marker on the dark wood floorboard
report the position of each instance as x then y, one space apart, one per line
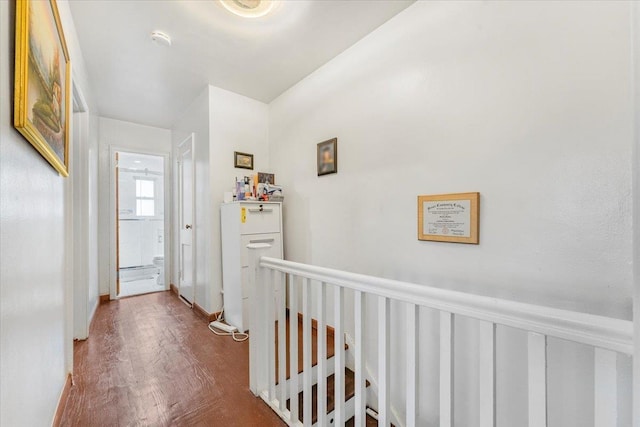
152 361
349 392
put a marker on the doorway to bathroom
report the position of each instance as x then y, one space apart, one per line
141 226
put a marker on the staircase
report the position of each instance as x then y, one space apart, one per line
330 380
323 391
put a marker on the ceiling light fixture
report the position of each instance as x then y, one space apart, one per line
161 38
249 8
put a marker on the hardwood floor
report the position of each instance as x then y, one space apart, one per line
151 361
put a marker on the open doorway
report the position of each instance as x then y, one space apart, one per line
140 223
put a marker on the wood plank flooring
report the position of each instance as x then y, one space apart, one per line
330 346
151 361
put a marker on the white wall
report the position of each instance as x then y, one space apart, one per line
527 103
127 137
222 122
240 124
35 281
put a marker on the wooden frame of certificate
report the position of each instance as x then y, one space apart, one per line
449 218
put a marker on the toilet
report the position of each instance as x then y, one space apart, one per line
158 261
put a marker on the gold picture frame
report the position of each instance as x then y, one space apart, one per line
449 218
42 93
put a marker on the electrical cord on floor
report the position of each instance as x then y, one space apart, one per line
237 336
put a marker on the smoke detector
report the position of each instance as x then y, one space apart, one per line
249 8
161 38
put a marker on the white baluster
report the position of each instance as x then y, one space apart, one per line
270 335
446 369
487 374
258 370
306 353
282 343
339 356
360 386
606 388
322 355
384 417
413 320
293 348
537 344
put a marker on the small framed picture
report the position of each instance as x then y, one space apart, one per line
328 157
266 178
242 160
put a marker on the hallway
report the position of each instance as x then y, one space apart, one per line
151 361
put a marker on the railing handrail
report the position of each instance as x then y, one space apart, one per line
598 331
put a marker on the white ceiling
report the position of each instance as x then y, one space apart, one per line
137 80
140 161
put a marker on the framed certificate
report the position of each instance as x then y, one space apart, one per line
449 218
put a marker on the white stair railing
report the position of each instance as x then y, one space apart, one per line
608 336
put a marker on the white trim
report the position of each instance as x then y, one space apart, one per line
635 53
79 165
447 352
192 139
537 379
93 310
605 396
166 155
79 102
487 374
597 331
76 209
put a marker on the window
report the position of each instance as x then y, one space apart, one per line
145 197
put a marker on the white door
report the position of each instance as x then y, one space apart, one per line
186 178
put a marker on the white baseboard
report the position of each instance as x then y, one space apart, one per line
93 311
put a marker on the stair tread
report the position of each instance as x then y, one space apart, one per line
314 347
370 422
349 392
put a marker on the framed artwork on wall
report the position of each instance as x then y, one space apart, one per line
242 160
449 218
42 81
266 178
328 157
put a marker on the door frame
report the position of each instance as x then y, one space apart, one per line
113 215
635 42
179 220
76 210
79 161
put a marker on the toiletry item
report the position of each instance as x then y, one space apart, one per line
234 191
255 186
240 189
